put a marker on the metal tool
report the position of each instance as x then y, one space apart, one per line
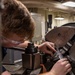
59 53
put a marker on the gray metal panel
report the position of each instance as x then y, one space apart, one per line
9 58
17 56
12 56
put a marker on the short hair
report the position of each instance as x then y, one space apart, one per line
17 19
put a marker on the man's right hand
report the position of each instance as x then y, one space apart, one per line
6 73
61 67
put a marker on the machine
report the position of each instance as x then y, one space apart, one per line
64 39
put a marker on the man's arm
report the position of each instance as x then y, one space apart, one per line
61 67
46 47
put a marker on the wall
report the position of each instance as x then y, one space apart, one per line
68 17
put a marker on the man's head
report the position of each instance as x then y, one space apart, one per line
16 21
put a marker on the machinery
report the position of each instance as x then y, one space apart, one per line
30 62
64 39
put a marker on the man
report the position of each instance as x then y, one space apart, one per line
17 27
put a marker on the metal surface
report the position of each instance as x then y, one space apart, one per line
60 35
72 50
72 24
31 61
15 69
63 37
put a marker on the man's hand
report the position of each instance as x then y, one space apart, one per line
47 47
61 67
6 73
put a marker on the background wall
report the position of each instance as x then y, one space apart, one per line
41 20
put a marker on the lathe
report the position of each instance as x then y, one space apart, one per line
64 39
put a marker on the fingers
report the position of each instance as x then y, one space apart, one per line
63 66
64 59
68 71
51 46
49 52
47 47
68 67
66 64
